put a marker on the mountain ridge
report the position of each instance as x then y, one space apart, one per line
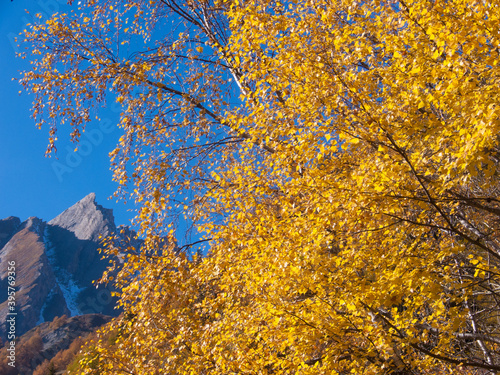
55 265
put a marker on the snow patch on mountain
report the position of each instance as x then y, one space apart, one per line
69 288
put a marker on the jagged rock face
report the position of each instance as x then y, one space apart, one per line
86 219
8 228
35 282
56 263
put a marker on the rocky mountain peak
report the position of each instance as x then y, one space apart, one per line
34 225
8 227
56 264
86 219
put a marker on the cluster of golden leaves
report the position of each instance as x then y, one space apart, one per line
340 155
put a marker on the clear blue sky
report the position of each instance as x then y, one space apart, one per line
31 184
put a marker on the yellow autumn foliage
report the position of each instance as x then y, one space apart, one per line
340 158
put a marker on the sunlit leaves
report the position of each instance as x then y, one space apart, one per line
341 156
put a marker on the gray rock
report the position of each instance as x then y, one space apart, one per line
86 219
56 264
35 281
8 227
